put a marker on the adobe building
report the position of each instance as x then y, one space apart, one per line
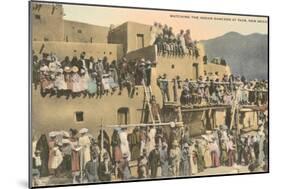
52 34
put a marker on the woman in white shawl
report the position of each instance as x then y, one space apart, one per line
207 154
124 146
57 158
76 87
85 143
193 159
151 139
153 33
60 83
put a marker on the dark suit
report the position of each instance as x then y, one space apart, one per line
91 170
154 162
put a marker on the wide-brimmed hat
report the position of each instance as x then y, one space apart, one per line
53 134
67 69
125 155
83 130
65 141
82 70
148 62
185 145
142 60
65 134
75 69
44 68
60 70
53 76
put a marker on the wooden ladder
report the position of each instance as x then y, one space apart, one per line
147 98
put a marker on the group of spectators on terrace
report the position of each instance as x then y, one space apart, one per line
170 44
88 77
210 89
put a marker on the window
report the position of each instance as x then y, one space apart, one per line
195 71
173 66
123 116
79 31
79 116
37 16
140 41
46 39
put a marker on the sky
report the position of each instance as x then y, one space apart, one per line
203 26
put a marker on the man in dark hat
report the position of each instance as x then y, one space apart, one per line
124 76
154 161
164 87
35 71
44 60
91 168
82 61
140 72
91 65
66 62
148 72
105 64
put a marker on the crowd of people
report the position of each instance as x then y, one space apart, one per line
170 44
87 76
210 89
158 152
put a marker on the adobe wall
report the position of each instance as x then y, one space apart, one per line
47 22
62 49
134 29
118 35
82 32
54 113
126 34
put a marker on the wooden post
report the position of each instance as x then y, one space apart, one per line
101 150
236 131
81 163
